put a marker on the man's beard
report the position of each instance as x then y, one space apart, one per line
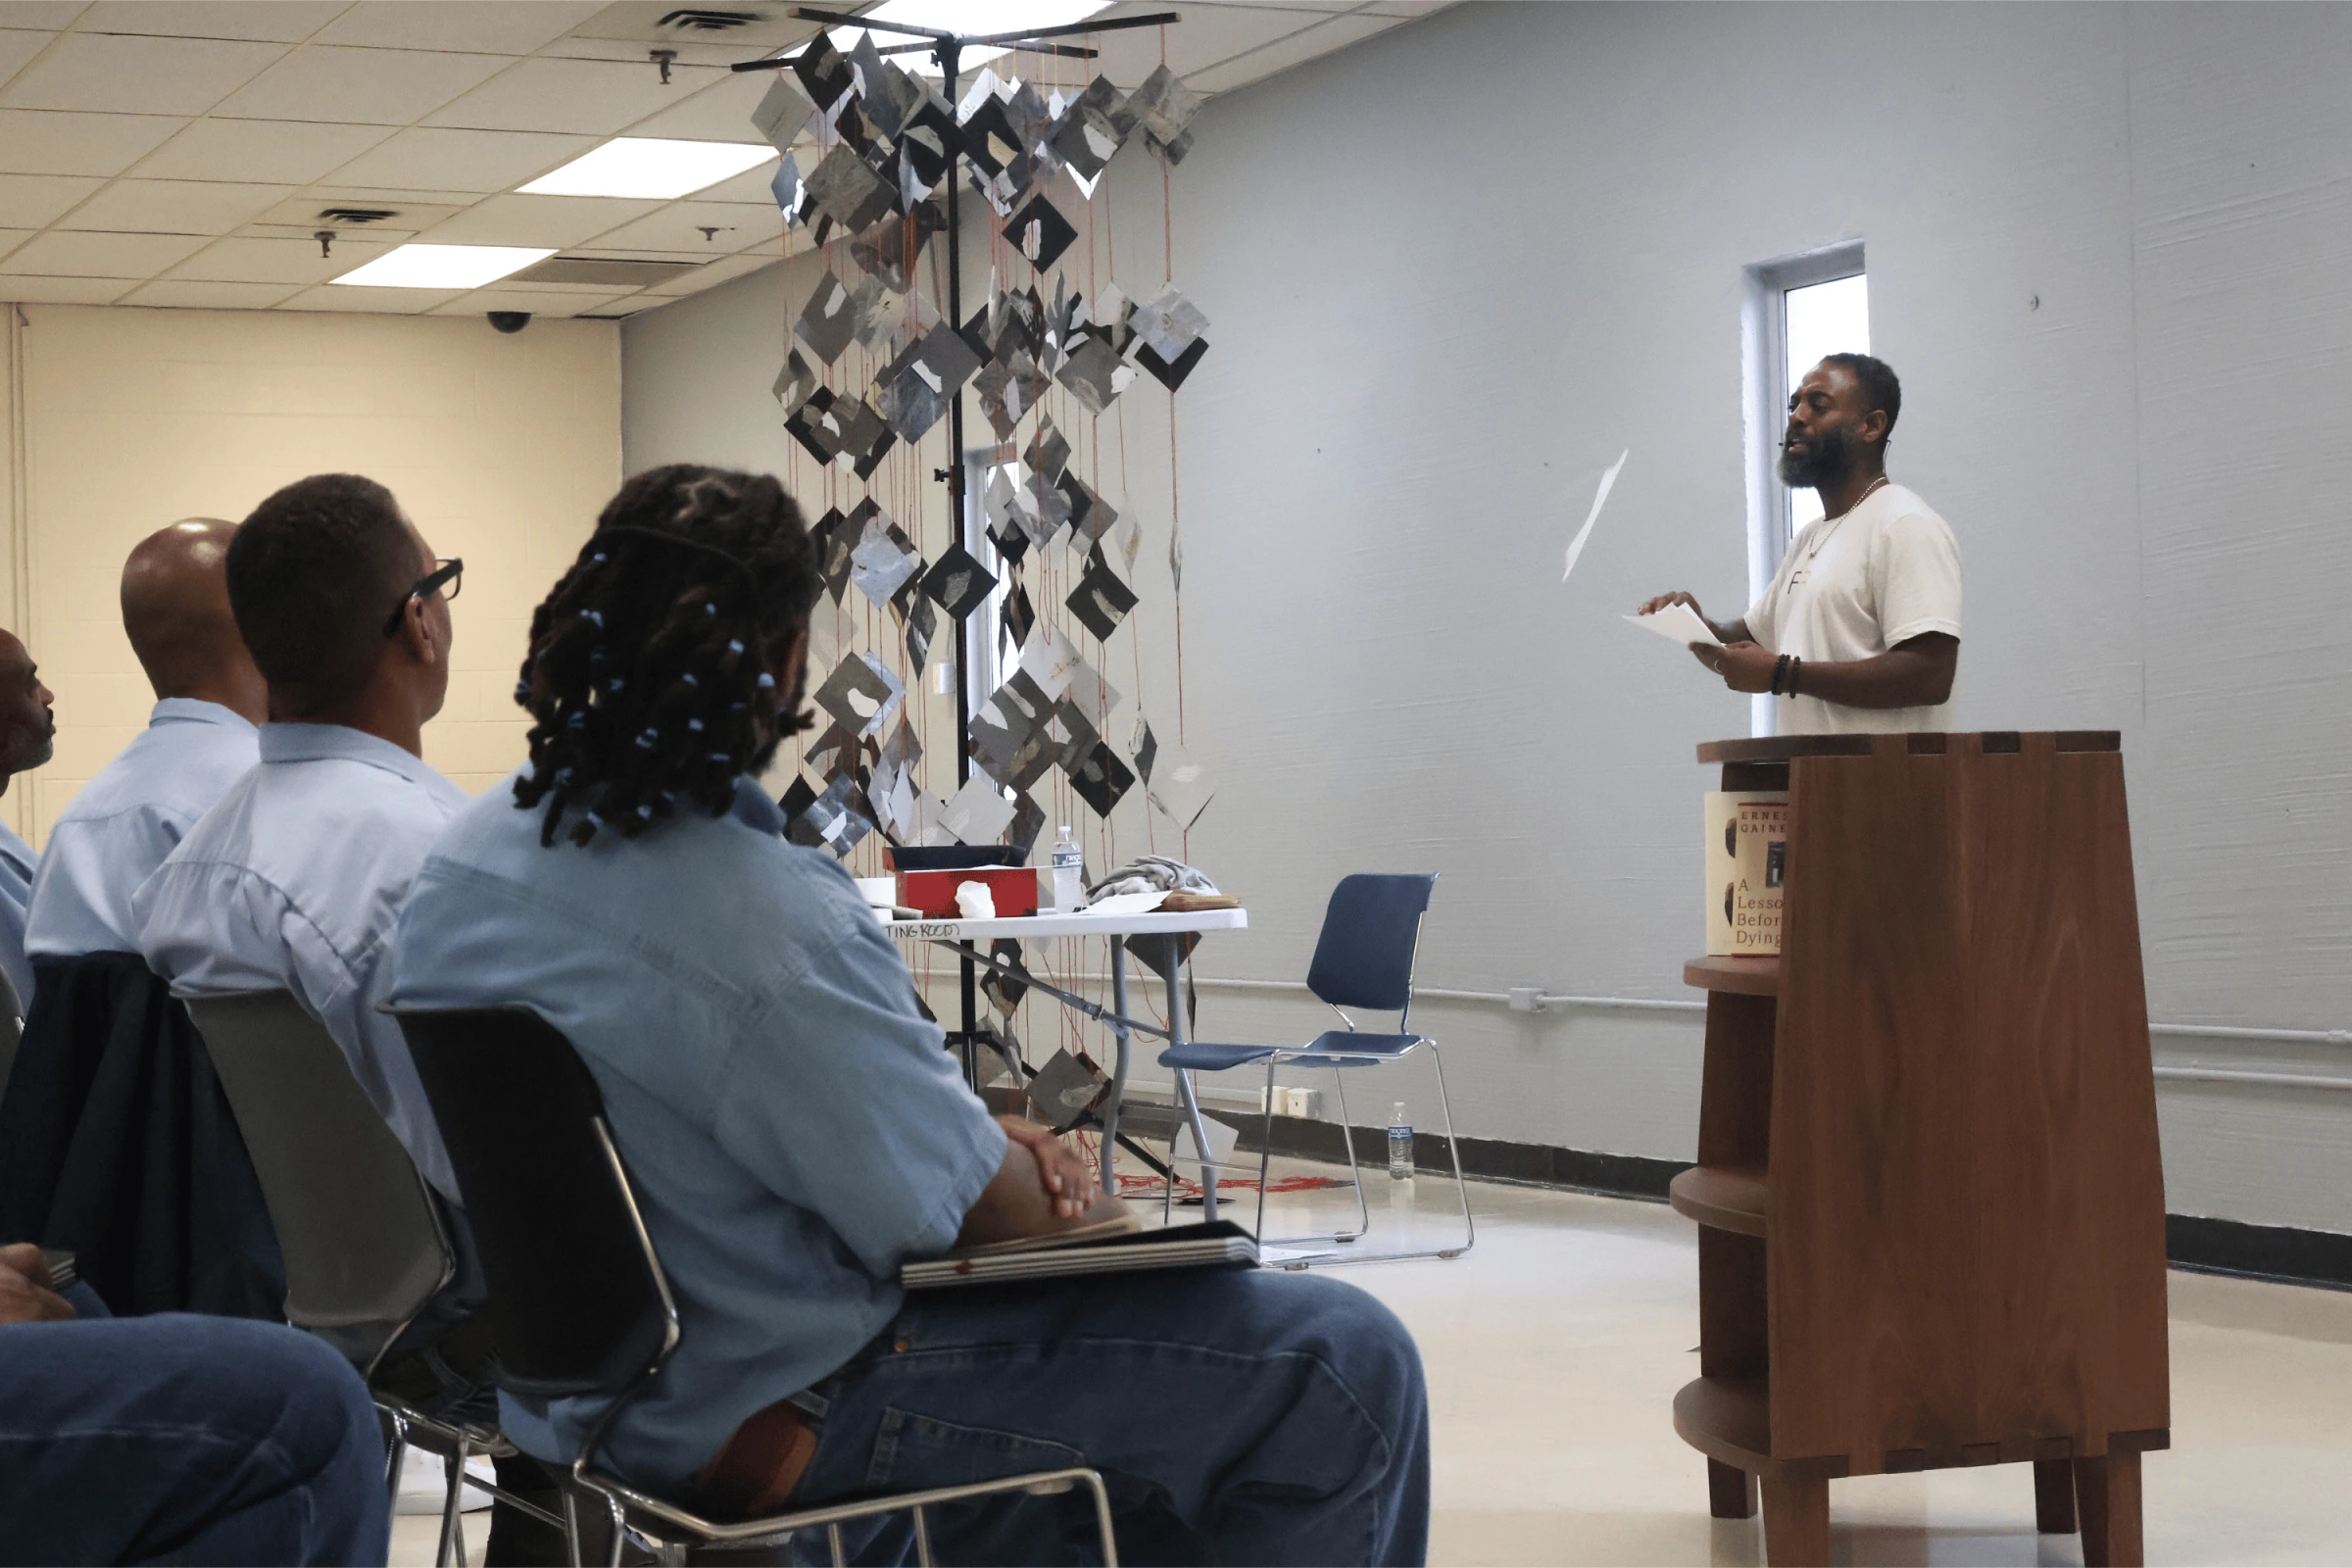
1826 459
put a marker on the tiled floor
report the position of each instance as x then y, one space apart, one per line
1554 1348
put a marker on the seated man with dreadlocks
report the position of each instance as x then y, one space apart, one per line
796 1129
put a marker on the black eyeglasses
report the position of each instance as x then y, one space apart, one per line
450 573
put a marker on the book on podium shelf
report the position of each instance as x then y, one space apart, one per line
1117 1246
1746 861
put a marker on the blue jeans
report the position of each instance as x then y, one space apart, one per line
1237 1417
185 1439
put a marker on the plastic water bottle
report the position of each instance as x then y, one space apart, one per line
1069 872
1401 1145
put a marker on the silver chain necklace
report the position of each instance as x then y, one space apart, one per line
1821 529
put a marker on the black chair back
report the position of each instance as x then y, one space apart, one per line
580 1303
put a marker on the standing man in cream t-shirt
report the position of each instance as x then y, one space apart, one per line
1860 627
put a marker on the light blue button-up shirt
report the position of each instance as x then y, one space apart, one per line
293 882
131 815
792 1122
19 866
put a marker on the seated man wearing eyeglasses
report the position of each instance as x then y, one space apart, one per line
293 880
796 1131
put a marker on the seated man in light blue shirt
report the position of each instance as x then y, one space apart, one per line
796 1129
293 879
28 738
199 741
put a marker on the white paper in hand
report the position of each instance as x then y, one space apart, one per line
1680 623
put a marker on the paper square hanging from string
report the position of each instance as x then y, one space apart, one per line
1093 698
919 627
838 817
1071 735
828 321
978 814
823 71
1093 374
891 248
929 141
1100 601
1179 788
796 798
835 536
957 583
783 111
832 753
1168 375
1048 453
884 93
989 139
1092 129
884 558
809 426
794 383
844 188
1168 322
1012 544
1050 659
1008 388
1100 779
1090 516
1039 233
861 695
1020 615
1163 105
790 191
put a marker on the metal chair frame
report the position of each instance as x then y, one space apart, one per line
671 1528
455 1442
1338 1062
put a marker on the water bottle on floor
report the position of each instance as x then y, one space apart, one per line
1069 872
1401 1145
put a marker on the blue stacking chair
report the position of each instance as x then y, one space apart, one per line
1364 959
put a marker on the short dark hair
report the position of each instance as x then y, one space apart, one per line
1881 387
311 576
650 676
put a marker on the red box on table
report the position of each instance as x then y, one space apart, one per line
1013 887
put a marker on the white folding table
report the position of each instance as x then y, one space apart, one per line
1156 937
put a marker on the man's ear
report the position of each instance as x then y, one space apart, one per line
416 630
1874 428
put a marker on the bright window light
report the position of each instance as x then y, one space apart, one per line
649 168
1825 319
972 18
444 265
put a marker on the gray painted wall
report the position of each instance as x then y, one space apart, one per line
1453 271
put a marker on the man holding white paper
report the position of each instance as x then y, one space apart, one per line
1859 630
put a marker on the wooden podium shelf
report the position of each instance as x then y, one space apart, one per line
1749 977
1729 1199
1940 1097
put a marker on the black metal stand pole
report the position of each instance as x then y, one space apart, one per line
948 54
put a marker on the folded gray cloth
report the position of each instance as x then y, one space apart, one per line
1153 873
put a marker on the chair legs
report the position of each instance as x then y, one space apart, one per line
1461 1186
452 1549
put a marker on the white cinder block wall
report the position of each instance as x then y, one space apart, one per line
502 449
1452 271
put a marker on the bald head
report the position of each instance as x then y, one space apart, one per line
175 608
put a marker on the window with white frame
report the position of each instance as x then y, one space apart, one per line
1817 320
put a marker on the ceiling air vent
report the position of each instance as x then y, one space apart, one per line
357 216
605 269
697 19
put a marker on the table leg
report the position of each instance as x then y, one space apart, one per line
1174 951
1118 1072
2107 1498
1796 1523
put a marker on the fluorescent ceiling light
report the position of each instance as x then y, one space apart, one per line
648 167
443 265
971 19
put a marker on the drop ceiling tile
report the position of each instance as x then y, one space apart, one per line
751 186
61 253
359 87
292 260
180 294
690 53
11 238
308 211
593 97
121 75
36 201
40 141
18 46
427 158
273 151
678 228
50 14
174 205
461 26
370 301
721 111
63 290
278 21
712 273
1324 37
516 220
539 302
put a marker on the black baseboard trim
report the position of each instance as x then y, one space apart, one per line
2259 1252
2278 1253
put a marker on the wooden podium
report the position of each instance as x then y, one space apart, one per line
1930 1206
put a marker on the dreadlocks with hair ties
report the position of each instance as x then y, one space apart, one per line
670 660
